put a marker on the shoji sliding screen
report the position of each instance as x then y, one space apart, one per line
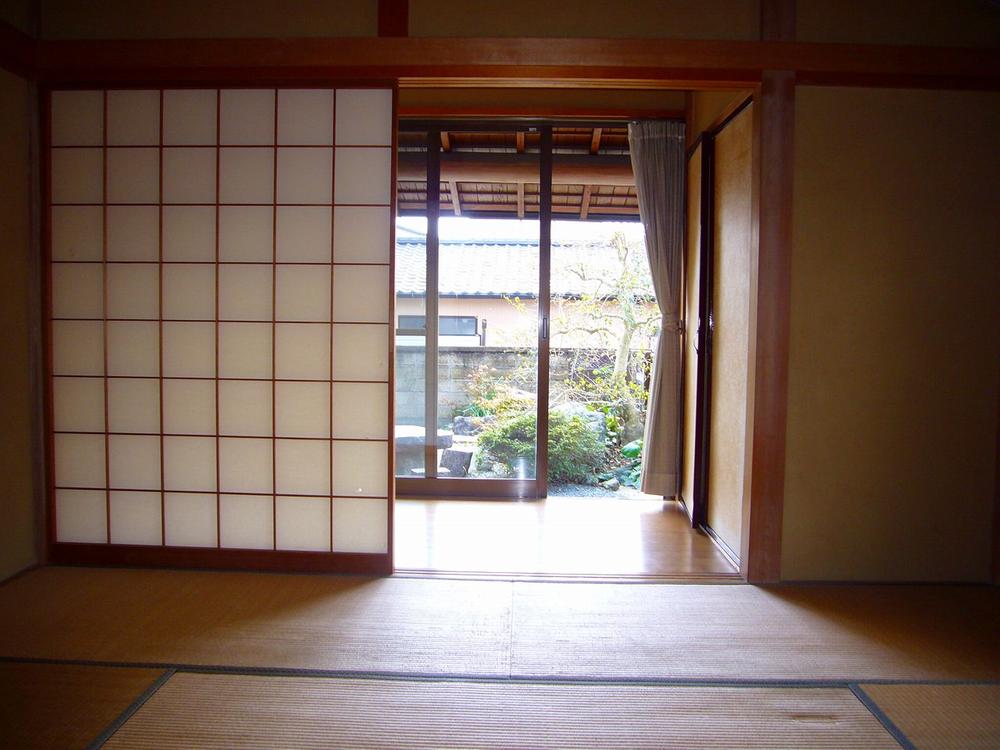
220 294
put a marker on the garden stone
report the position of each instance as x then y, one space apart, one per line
457 462
467 426
593 419
611 484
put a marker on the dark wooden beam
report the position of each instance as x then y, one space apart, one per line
595 140
433 112
520 141
567 169
456 199
585 201
436 62
393 18
445 141
774 127
777 20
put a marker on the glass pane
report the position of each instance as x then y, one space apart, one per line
411 294
488 307
604 322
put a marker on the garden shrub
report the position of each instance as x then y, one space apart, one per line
574 450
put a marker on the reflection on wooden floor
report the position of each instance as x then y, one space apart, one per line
559 536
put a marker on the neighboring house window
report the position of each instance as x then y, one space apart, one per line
448 325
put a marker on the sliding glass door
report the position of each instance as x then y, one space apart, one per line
472 304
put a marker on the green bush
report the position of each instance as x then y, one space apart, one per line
574 451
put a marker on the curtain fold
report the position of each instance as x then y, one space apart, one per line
657 151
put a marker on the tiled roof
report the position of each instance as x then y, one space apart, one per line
503 268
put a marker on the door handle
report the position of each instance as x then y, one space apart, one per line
545 327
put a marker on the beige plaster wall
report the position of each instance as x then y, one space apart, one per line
895 350
731 331
955 23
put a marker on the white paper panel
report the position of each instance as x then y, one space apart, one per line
189 407
133 290
360 410
245 292
77 175
303 409
363 176
244 350
77 290
247 521
79 460
247 116
134 461
244 407
188 291
361 293
77 118
133 233
303 234
189 175
361 234
189 117
245 234
302 351
303 523
189 350
189 463
133 175
78 404
81 516
77 233
360 524
305 117
135 518
133 349
133 405
245 465
303 467
77 347
305 175
303 293
188 233
189 519
246 175
364 117
133 118
359 468
361 352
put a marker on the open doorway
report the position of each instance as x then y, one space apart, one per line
525 324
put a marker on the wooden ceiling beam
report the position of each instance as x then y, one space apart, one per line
445 141
520 200
456 198
520 141
585 202
595 140
518 62
567 169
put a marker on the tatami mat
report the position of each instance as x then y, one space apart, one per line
64 707
235 711
943 717
497 628
250 619
746 632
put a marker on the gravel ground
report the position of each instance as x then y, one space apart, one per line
586 490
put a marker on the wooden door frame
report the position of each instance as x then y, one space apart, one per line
773 67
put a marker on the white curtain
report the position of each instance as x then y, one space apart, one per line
657 149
